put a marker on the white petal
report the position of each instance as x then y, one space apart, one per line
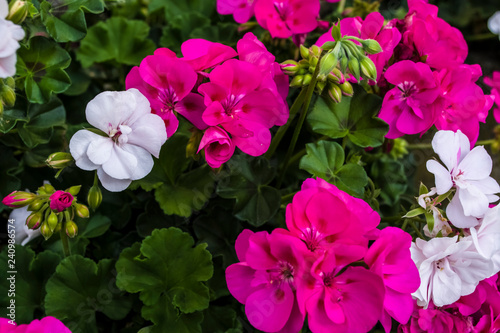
17 32
446 286
109 109
4 9
121 164
494 23
455 213
8 66
112 184
442 176
450 147
144 161
487 186
78 146
476 165
99 150
149 133
474 202
139 104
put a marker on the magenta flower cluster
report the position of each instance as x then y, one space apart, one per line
322 267
234 101
422 71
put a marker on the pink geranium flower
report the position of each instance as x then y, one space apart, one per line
494 83
408 107
266 278
461 103
389 257
202 54
371 28
347 230
235 102
45 325
60 200
242 10
348 302
218 146
167 83
284 18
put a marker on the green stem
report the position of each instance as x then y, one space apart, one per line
419 234
485 142
286 198
481 37
282 130
341 7
64 239
303 114
419 146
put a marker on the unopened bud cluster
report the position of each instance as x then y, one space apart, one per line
7 93
50 210
337 61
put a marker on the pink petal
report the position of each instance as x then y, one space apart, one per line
202 54
192 107
238 278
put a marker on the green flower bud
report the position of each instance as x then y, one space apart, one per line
304 52
335 92
333 78
71 229
368 68
94 197
307 79
74 190
328 63
371 46
82 211
49 189
297 81
59 160
313 62
320 85
290 67
346 88
315 51
353 65
336 32
18 199
46 231
33 221
52 221
8 96
36 205
10 82
18 10
343 62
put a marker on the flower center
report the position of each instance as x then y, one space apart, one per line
407 88
312 238
229 105
168 98
119 135
439 264
286 271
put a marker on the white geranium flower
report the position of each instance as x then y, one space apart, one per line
466 170
23 233
486 235
10 34
494 23
448 269
133 134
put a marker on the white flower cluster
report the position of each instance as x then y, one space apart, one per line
10 34
451 267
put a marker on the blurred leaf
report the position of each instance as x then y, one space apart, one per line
9 119
390 177
153 218
219 319
65 19
180 27
168 273
9 167
124 41
325 159
96 226
32 274
40 69
248 177
226 33
352 117
79 288
175 8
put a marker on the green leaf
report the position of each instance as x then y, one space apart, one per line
325 159
248 177
118 39
414 212
180 27
352 117
79 288
190 192
391 178
65 19
219 319
32 274
175 8
9 119
168 272
96 226
153 218
40 69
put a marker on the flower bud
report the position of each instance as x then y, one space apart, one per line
335 92
59 160
333 78
71 229
82 210
343 64
48 189
8 96
61 200
371 46
33 221
52 221
313 61
368 68
336 32
307 79
94 197
46 231
320 85
74 190
353 65
290 67
18 199
18 10
10 82
36 205
315 51
297 81
304 52
328 63
346 88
